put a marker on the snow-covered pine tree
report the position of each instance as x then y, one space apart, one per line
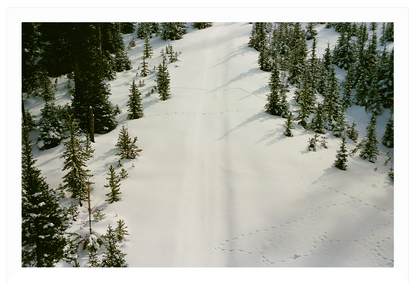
114 185
298 54
389 32
388 137
113 256
201 25
352 133
172 30
332 105
44 221
369 146
277 103
312 143
144 30
134 103
310 31
46 87
163 81
144 71
385 78
305 101
50 127
75 158
126 146
147 51
341 157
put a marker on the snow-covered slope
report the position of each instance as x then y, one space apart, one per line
217 182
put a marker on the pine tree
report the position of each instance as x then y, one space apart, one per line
388 137
75 159
46 87
114 185
389 32
126 146
289 125
277 103
113 257
305 100
163 81
312 143
341 157
313 67
134 103
172 30
201 25
385 79
318 121
50 127
144 30
310 31
332 105
369 147
340 125
298 53
147 51
121 230
352 133
44 221
144 71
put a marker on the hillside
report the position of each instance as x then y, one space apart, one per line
217 182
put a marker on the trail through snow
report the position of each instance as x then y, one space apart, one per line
217 182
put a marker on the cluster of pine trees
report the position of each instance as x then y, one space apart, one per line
320 101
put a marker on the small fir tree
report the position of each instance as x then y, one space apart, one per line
277 103
121 230
50 127
113 256
123 174
318 121
114 185
126 146
388 137
352 133
312 143
163 81
289 125
75 158
134 103
144 71
341 157
369 147
147 51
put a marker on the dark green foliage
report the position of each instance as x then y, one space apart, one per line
127 27
75 158
305 101
258 38
146 29
147 51
121 230
388 138
30 57
332 105
385 79
172 30
369 146
312 143
310 31
126 146
341 157
391 174
201 25
113 256
298 53
28 121
313 67
352 133
163 81
343 54
324 143
318 121
44 221
114 185
134 103
123 174
389 32
46 91
121 61
144 71
173 56
340 125
277 103
289 125
50 127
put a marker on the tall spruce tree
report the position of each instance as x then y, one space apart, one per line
163 81
388 137
369 146
75 158
113 256
318 121
134 103
44 221
305 101
50 127
298 54
147 51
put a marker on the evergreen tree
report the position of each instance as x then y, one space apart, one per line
298 53
340 125
144 71
46 87
134 103
313 67
324 70
289 125
50 127
312 143
332 105
114 185
341 157
369 147
30 55
121 230
352 133
144 30
385 79
127 27
201 25
113 256
389 32
277 104
163 81
147 51
388 137
318 121
347 87
44 221
75 158
305 101
126 146
258 38
172 30
310 31
121 61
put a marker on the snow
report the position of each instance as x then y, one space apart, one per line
217 183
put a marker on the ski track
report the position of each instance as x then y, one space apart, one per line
213 222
